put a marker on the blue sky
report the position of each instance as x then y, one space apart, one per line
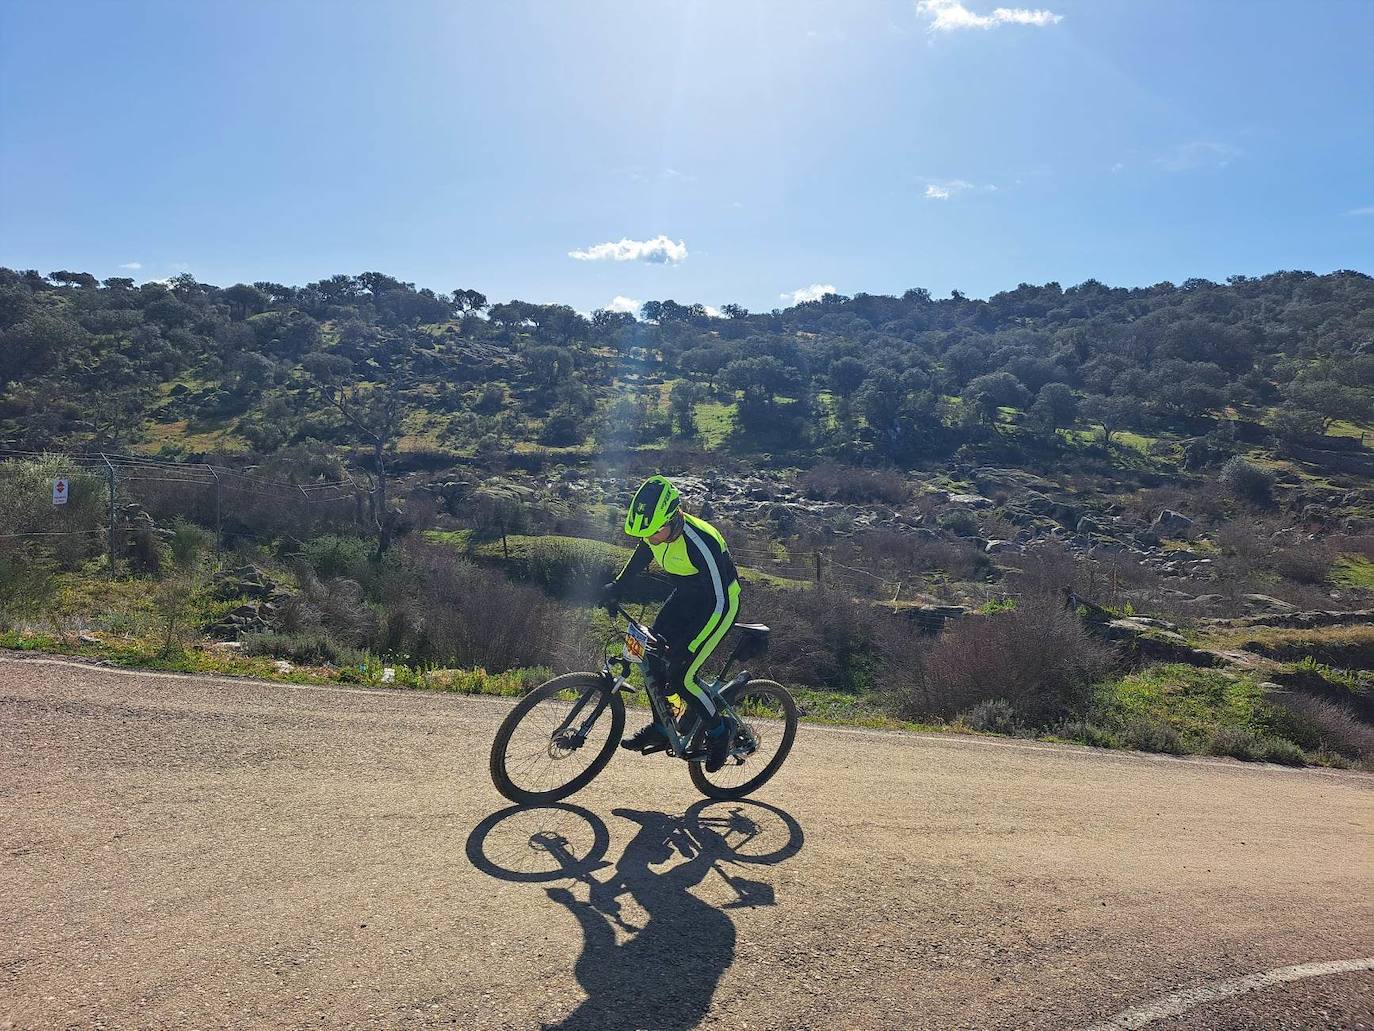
742 150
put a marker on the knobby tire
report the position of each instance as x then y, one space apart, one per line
701 778
580 683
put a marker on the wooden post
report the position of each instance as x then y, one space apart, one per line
818 567
505 552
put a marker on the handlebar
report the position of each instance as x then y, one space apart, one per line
620 611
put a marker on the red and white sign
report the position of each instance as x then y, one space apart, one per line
59 491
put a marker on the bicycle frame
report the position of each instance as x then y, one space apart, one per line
678 742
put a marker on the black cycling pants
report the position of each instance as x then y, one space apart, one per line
692 623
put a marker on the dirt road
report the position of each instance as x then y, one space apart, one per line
196 853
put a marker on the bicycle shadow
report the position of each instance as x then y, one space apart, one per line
664 973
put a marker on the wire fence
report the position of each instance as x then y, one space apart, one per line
141 494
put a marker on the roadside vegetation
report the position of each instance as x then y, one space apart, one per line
1040 514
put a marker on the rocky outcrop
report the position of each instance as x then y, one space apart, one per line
263 600
1298 620
1170 523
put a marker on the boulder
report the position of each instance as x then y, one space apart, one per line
970 500
1265 603
1169 522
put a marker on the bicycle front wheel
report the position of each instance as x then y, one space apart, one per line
557 739
768 726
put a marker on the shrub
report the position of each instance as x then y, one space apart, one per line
1038 658
1088 733
1149 735
571 568
146 550
1244 480
26 507
1328 725
308 649
960 522
1309 563
832 481
994 716
820 637
565 426
332 556
188 542
334 607
27 586
176 602
464 615
1236 742
1282 751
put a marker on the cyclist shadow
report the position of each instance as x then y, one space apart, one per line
664 973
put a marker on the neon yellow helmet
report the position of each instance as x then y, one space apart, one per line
654 504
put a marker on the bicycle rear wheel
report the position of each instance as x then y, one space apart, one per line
540 755
769 717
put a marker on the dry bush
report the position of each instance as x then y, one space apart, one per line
898 555
831 481
1039 658
1204 504
1324 724
464 615
1148 735
820 638
1045 570
1246 481
1308 562
334 607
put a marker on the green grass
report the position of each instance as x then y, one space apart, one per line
1121 438
203 438
458 540
210 661
715 422
1353 571
1181 709
1192 701
1341 428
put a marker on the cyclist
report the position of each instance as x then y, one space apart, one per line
698 613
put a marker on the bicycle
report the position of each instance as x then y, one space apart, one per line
549 746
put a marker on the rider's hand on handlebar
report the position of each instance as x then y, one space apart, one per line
609 597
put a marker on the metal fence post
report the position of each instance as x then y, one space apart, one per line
114 489
219 525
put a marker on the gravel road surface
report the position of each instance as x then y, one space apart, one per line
207 853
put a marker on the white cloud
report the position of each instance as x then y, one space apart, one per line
951 15
625 304
658 251
814 292
713 311
1361 212
133 265
1202 154
945 189
1117 167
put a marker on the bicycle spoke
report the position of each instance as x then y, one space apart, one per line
537 759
